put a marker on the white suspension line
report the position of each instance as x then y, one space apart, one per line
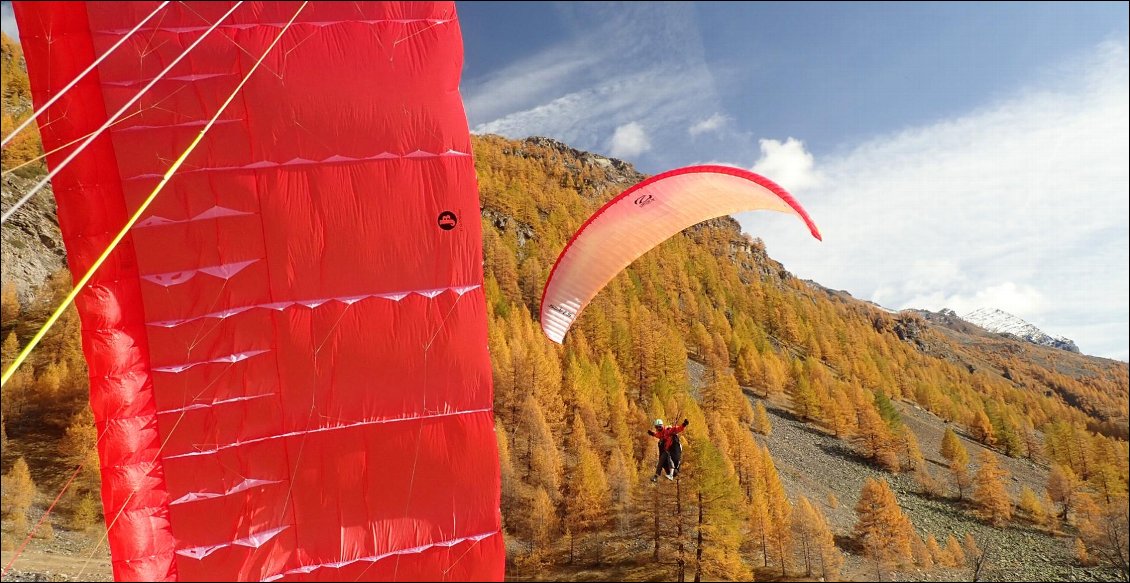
75 81
39 186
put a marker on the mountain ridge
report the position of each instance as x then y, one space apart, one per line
1002 322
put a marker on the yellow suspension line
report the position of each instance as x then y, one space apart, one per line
11 370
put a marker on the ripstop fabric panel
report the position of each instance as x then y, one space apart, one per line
642 217
56 43
300 383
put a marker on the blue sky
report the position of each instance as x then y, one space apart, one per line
959 155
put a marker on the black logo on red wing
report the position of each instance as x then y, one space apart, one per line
447 220
644 200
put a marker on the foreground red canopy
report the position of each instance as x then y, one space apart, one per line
641 218
288 354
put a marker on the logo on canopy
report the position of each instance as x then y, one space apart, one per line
562 311
644 200
447 220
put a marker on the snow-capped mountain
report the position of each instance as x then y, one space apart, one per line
1005 323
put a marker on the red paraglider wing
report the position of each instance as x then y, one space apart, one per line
642 217
287 354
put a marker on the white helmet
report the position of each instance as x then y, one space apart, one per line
658 422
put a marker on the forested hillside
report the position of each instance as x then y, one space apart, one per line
572 420
789 389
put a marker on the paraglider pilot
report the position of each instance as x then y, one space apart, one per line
670 450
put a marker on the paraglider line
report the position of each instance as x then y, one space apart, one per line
81 138
456 561
66 161
81 284
145 52
310 414
201 334
421 31
47 512
229 38
126 502
419 432
63 91
129 224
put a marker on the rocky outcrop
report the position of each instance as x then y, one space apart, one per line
619 171
503 222
32 246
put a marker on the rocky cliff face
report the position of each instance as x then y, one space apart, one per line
32 246
618 171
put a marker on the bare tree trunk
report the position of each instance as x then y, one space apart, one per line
764 544
698 551
529 456
807 557
682 561
655 515
979 563
781 553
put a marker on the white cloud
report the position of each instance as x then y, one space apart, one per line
624 63
1021 205
709 125
527 82
1024 301
628 141
787 164
8 22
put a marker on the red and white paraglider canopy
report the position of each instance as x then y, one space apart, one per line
642 217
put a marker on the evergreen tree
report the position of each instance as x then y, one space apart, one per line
959 469
1005 432
814 544
950 444
18 494
543 461
887 411
779 511
761 422
989 494
921 552
717 500
936 552
806 403
883 531
873 437
1063 488
910 456
955 552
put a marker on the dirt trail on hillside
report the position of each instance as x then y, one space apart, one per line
42 564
